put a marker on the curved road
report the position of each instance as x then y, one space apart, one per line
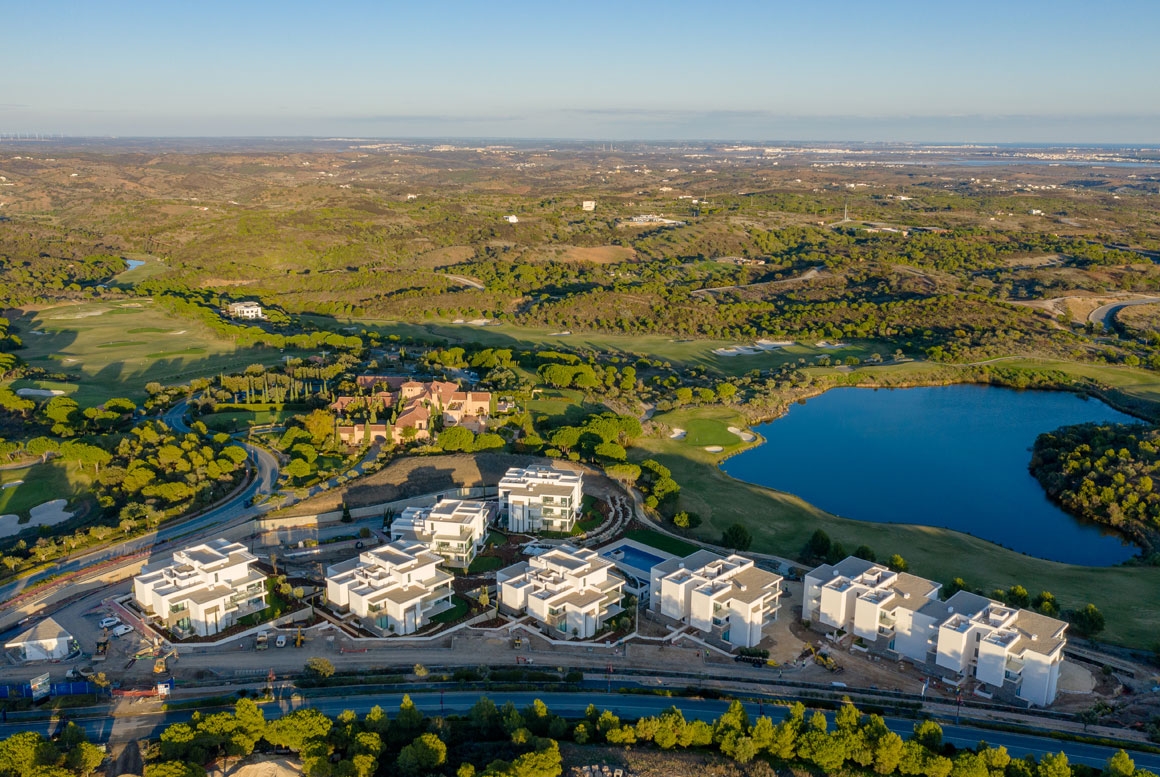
1106 314
227 513
572 705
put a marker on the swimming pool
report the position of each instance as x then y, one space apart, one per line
633 557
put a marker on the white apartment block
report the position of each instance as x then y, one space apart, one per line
540 498
453 529
570 591
202 590
394 588
969 635
724 596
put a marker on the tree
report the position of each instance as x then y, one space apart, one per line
625 473
898 563
1053 765
456 438
737 536
488 441
297 728
422 755
1120 765
319 667
611 450
865 552
346 516
173 769
297 469
818 545
1088 621
929 734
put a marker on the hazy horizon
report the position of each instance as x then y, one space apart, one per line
985 72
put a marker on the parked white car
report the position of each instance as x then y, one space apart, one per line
281 641
122 630
110 622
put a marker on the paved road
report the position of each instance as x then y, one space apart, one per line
1106 314
149 724
225 514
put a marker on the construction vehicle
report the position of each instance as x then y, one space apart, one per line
263 640
160 666
518 643
299 640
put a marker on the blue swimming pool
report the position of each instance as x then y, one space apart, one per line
633 557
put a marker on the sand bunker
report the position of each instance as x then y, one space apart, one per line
31 392
677 434
744 435
13 484
714 448
47 514
826 344
565 333
761 346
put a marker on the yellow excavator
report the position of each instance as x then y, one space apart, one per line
160 666
299 640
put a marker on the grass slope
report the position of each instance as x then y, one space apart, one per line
42 483
118 347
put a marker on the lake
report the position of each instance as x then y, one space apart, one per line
950 456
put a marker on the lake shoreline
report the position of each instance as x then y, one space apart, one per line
1084 551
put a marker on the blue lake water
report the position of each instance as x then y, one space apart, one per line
133 264
950 456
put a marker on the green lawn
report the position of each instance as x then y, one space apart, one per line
239 420
459 608
116 347
706 426
151 269
484 564
562 406
42 483
663 542
781 523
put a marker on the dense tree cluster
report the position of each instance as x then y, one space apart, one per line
1104 473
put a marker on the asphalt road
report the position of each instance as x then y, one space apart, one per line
1106 314
573 705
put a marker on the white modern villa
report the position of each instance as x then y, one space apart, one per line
202 590
570 591
453 529
540 498
393 589
723 596
1003 647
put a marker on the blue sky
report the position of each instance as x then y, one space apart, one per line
934 70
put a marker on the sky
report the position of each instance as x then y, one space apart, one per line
885 70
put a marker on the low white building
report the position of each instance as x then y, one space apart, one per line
46 641
246 310
588 205
511 219
723 596
968 635
394 588
540 498
201 590
570 591
453 529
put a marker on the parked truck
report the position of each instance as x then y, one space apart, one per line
263 640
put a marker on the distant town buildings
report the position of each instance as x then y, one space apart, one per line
412 404
1003 647
540 498
202 590
452 529
651 219
571 592
244 310
392 589
726 597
